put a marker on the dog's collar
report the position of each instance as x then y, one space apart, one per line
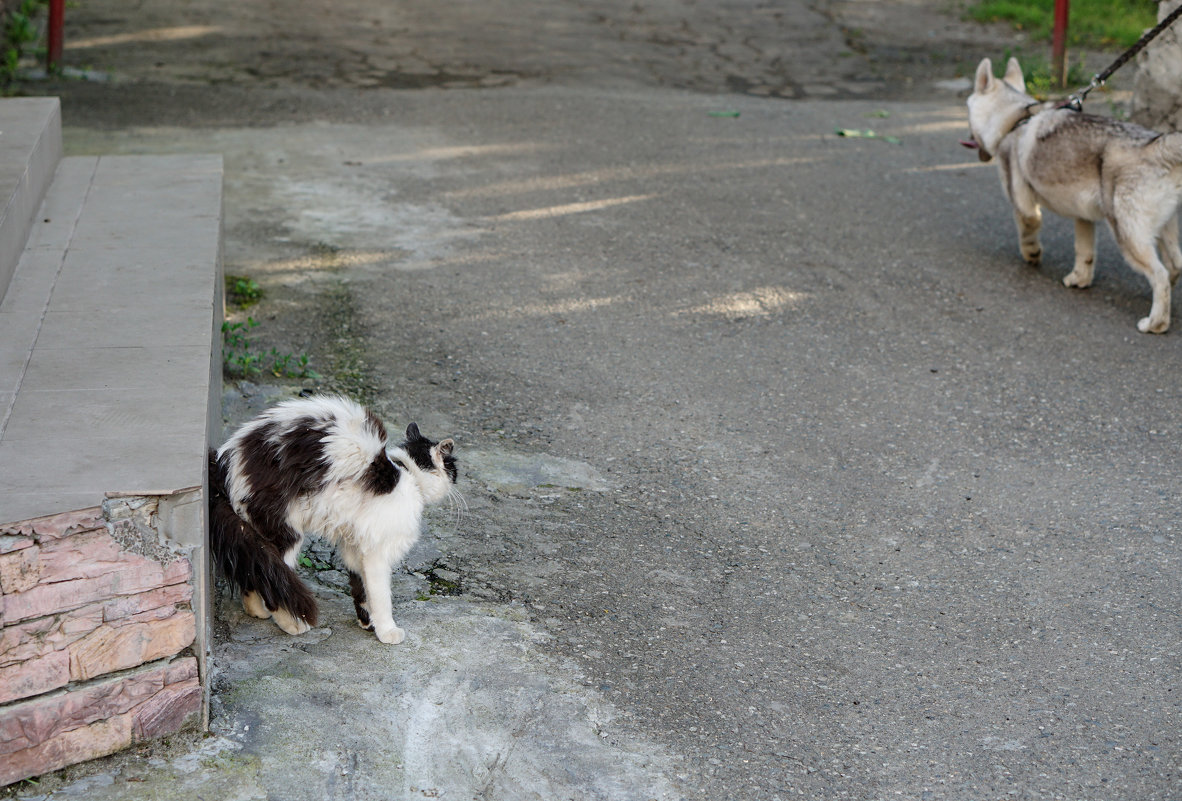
1027 113
1023 118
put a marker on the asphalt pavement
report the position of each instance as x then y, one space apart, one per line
784 475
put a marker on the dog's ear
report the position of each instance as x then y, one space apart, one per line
1013 75
984 76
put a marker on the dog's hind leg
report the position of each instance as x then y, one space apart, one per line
1141 256
1085 255
1167 241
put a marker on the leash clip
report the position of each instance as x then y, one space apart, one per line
1075 101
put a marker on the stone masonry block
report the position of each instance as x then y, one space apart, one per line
37 720
86 555
38 638
181 670
63 596
164 598
178 570
168 710
44 635
20 570
10 543
34 677
77 745
112 648
98 718
53 527
136 574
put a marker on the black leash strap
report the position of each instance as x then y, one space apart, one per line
1076 100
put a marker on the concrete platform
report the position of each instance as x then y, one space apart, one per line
30 148
110 395
107 333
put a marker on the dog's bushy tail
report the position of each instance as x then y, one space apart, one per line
248 559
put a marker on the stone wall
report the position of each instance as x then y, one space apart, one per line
1157 86
97 635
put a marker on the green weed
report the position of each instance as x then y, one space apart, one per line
19 31
242 291
313 564
243 361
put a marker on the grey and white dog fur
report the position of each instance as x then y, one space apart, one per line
1086 168
321 465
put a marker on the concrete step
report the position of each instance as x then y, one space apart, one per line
110 394
110 361
30 148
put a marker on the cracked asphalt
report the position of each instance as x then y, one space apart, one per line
784 476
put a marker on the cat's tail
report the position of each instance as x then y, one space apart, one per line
247 559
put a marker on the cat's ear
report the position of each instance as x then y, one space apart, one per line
413 433
446 447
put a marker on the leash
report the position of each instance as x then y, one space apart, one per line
1075 101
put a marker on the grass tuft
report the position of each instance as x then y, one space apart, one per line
1104 24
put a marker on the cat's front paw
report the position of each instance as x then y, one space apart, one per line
391 635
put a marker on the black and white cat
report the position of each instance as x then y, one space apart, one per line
322 465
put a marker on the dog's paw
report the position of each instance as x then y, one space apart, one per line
1074 279
1033 257
391 635
1146 325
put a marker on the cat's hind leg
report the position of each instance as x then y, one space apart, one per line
289 622
256 556
253 604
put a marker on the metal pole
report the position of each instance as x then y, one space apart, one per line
1059 42
57 13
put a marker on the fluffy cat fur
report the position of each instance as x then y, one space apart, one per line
321 464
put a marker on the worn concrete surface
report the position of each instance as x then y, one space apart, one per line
327 715
787 477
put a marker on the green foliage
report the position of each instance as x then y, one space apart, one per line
1112 24
1040 75
20 30
313 564
243 361
242 291
289 364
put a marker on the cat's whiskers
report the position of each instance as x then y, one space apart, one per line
458 504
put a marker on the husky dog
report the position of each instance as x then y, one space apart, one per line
321 464
1086 168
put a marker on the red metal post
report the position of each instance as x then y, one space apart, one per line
1059 42
57 13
